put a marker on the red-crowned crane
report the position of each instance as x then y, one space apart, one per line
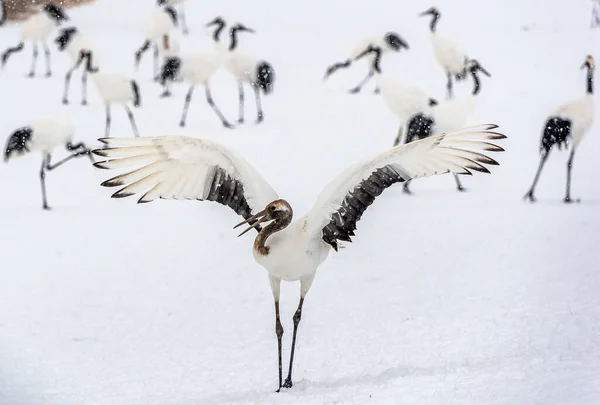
567 124
177 167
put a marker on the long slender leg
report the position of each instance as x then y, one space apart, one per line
107 130
259 111
48 67
406 188
184 27
241 93
276 289
140 52
81 149
186 105
297 317
459 186
399 136
68 79
569 168
363 82
45 162
156 64
449 86
34 60
529 194
212 104
132 121
84 77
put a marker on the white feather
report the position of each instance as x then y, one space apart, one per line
581 114
37 27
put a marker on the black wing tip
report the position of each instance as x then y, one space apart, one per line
101 165
120 194
112 183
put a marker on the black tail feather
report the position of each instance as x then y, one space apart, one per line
419 126
137 97
265 77
18 142
9 51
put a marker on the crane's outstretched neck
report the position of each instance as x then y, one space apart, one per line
590 80
281 213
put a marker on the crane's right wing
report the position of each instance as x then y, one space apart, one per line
184 168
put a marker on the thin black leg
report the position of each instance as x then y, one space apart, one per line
132 121
81 150
34 60
363 82
84 77
68 79
259 111
107 130
297 317
241 99
459 186
140 52
406 189
399 136
156 64
449 86
279 333
212 104
184 27
569 168
530 194
186 105
45 162
48 67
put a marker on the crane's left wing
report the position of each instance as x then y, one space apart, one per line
342 203
184 168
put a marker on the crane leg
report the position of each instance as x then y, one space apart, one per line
259 111
449 86
186 105
184 27
241 99
459 186
47 54
212 104
65 99
363 82
406 189
140 52
399 136
156 64
84 87
107 128
81 150
569 168
530 194
132 121
34 60
45 162
297 317
276 289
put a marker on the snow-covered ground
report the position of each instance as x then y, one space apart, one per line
443 298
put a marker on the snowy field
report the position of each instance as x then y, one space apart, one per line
443 298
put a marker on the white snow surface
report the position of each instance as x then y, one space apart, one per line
443 298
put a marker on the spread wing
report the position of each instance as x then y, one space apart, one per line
184 168
342 203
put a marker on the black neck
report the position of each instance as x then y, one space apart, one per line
88 63
476 84
377 60
218 30
590 80
234 40
434 20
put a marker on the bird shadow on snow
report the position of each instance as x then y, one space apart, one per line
306 388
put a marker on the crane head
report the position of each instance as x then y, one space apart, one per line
432 11
216 21
475 67
589 63
395 42
278 211
241 27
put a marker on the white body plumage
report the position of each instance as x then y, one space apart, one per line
157 24
37 27
198 67
448 53
114 88
581 114
49 133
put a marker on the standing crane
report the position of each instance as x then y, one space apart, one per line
568 123
177 167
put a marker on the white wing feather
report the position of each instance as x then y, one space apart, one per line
179 167
453 152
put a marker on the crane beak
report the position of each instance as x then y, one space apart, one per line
259 218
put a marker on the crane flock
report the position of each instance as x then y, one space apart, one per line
434 137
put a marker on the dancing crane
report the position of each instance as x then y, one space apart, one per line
177 167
